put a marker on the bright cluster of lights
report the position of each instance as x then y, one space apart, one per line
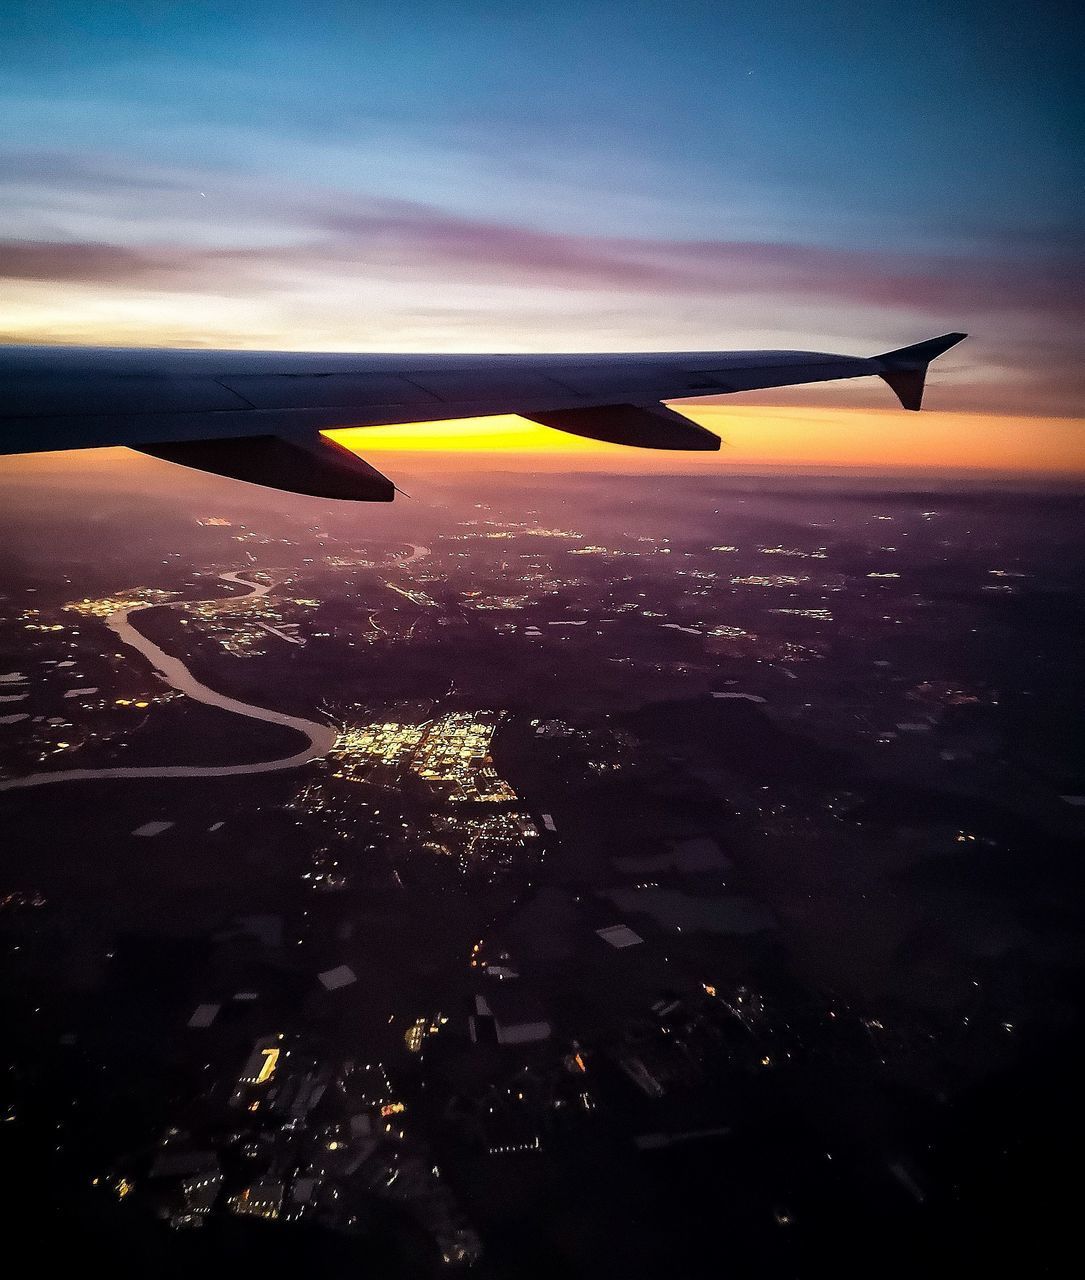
386 743
452 751
108 605
769 580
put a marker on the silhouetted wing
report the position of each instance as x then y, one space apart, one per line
257 415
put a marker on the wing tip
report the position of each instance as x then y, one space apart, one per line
905 369
920 353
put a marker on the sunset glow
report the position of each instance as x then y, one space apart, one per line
489 213
762 436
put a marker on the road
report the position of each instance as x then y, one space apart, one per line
321 736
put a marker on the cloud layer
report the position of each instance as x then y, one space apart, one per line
193 257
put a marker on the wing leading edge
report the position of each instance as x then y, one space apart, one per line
257 416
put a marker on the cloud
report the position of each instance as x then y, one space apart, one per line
390 239
300 261
63 170
74 262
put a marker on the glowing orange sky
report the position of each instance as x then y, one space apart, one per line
762 436
756 438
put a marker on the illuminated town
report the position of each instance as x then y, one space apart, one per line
452 754
109 605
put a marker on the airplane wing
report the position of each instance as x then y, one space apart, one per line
258 415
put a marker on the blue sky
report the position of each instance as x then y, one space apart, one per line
587 176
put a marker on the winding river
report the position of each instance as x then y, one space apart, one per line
321 737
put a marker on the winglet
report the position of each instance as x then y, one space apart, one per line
905 369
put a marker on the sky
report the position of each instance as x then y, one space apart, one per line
571 177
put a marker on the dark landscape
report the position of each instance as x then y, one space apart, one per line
694 885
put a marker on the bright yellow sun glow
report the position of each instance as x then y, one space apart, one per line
756 435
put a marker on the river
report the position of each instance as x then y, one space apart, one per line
173 671
321 737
